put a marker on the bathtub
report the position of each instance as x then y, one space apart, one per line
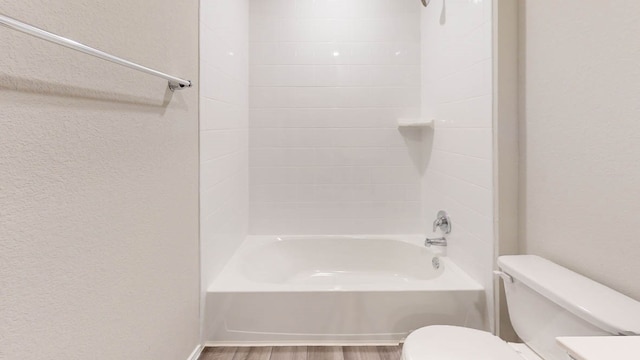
336 290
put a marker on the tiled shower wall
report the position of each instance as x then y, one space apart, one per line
224 113
457 93
328 79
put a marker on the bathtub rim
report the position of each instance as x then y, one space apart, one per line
230 280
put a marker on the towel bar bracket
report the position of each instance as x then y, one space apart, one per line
173 86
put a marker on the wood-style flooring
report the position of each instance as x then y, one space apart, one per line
303 353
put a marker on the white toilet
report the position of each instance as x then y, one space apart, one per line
545 301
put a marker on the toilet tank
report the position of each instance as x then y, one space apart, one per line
546 300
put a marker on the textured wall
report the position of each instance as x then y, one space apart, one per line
457 93
98 184
224 118
581 137
328 81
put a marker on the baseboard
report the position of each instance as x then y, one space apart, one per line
300 343
196 353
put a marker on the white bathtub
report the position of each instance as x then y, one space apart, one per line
336 290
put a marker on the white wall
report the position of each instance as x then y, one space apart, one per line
580 136
328 80
506 150
224 114
99 184
457 92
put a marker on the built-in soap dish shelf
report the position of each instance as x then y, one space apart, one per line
415 123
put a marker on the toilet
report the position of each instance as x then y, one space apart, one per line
545 301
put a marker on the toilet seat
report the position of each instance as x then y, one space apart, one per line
456 343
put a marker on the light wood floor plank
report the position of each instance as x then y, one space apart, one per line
252 353
360 353
325 353
303 353
218 353
259 353
289 353
241 353
390 352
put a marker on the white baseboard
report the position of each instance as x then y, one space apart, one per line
196 353
300 343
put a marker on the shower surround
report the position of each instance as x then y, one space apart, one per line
457 92
328 80
315 100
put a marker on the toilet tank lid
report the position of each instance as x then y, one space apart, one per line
593 302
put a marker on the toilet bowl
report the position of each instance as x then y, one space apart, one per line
458 343
545 301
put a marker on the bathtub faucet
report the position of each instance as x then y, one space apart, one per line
443 221
435 242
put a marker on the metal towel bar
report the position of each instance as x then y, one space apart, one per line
175 83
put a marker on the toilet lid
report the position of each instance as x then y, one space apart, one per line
456 343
